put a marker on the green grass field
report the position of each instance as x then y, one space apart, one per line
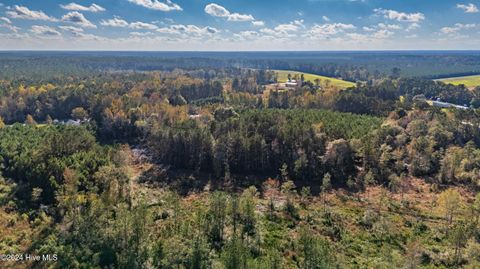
283 77
469 81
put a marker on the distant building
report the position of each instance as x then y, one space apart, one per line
196 116
291 83
73 122
437 102
70 122
447 105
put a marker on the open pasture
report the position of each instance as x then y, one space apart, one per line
282 77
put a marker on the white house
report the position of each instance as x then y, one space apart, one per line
291 83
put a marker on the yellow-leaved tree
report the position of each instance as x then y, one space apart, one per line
29 120
449 205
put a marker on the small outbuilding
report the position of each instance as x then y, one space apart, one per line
291 83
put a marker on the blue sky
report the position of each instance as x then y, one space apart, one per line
239 25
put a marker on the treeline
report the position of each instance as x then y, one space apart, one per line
360 66
352 66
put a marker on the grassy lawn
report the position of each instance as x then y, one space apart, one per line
469 81
283 77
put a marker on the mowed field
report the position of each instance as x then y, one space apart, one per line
468 81
282 77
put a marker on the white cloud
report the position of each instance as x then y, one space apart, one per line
389 26
469 8
400 16
368 29
284 30
72 29
325 18
456 28
78 18
258 23
7 20
357 37
329 29
375 34
247 35
115 22
44 31
11 27
76 7
270 32
141 34
240 17
449 30
382 30
216 10
290 27
7 23
383 34
79 33
118 22
89 37
188 30
14 36
21 12
412 27
166 6
142 25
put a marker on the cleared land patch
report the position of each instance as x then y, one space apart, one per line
468 81
282 77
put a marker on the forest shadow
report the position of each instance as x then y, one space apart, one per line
185 182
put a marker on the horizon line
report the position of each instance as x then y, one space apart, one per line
244 51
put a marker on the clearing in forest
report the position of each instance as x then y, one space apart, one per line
468 81
282 77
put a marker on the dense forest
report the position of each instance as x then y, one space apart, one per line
351 66
208 164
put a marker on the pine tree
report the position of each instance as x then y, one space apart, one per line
217 218
284 173
316 252
235 254
326 187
